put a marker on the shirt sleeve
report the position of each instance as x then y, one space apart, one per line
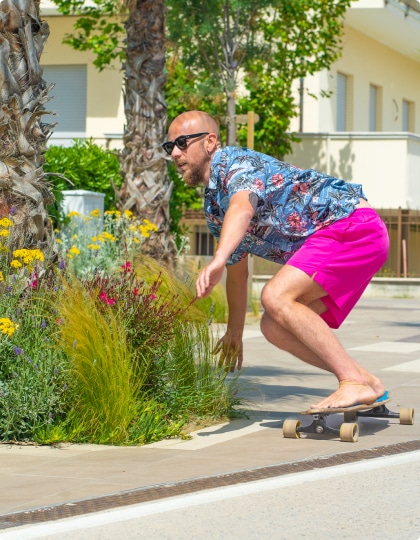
245 175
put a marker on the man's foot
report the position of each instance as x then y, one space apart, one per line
351 393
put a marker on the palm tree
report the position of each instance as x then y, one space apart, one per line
24 191
146 188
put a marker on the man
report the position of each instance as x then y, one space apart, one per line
321 229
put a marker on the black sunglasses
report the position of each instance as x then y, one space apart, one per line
180 142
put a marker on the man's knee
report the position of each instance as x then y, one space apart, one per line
270 298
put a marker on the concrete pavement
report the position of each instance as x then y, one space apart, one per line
43 483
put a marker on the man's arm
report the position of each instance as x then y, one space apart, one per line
241 210
230 345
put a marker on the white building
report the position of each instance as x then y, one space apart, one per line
367 132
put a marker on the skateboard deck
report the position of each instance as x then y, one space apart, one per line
349 428
335 410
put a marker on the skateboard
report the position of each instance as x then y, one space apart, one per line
349 428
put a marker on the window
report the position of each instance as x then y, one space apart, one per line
204 242
68 97
373 108
407 115
342 91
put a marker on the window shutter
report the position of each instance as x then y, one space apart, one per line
405 115
68 96
373 107
341 102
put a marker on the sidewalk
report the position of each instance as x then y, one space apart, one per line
382 334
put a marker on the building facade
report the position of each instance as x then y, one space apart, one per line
367 131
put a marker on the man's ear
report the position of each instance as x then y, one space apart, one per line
211 143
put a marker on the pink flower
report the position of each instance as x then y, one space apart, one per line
135 291
153 296
127 266
110 301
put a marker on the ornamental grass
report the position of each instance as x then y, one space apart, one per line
104 346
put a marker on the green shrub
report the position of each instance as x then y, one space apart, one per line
87 166
33 373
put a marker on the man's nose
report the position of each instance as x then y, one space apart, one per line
175 151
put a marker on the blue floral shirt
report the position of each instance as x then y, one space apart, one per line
292 203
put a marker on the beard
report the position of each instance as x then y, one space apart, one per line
195 176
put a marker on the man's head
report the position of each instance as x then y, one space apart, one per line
193 139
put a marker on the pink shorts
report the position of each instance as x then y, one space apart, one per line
343 258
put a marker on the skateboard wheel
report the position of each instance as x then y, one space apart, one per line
349 432
290 426
407 416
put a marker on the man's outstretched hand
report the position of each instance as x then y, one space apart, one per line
230 351
208 278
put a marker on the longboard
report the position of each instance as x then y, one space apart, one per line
349 428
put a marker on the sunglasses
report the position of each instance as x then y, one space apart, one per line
180 142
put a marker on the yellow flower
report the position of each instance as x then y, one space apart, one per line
144 231
115 213
28 256
1 276
106 236
96 213
4 232
94 246
74 250
136 240
4 248
16 264
128 213
150 226
58 240
74 237
7 326
73 213
6 222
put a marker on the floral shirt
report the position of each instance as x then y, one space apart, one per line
292 203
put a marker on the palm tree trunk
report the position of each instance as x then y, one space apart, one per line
146 188
23 189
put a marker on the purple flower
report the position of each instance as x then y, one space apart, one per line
65 387
12 210
44 323
62 264
17 351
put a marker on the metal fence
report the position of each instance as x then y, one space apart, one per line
403 229
404 233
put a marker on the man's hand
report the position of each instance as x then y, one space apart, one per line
209 277
230 349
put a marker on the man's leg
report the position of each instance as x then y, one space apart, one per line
291 300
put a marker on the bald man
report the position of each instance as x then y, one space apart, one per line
321 229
